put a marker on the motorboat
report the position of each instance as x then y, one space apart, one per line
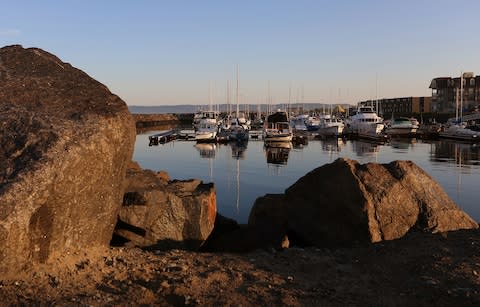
366 123
330 126
277 128
207 128
402 127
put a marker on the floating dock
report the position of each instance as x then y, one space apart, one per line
162 137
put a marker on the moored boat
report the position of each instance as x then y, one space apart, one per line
330 126
277 128
401 127
459 131
367 124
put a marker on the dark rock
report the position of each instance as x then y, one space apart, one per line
159 214
346 202
229 236
66 141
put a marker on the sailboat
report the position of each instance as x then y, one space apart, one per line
238 126
456 128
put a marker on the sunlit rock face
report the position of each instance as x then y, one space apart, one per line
64 146
163 214
346 202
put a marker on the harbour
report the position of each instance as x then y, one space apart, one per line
243 171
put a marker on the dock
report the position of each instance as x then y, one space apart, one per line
162 137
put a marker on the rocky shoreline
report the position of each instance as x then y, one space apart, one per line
81 224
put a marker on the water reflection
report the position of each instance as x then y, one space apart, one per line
206 150
332 145
238 149
403 144
365 148
455 152
277 153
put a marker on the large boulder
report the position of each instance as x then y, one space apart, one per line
64 146
157 213
346 202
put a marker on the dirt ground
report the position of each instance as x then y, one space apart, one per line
418 270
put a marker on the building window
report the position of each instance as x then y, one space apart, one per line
472 82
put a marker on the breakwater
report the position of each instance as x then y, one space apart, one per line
153 120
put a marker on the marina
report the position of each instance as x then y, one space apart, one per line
243 171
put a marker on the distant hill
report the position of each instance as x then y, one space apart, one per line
189 108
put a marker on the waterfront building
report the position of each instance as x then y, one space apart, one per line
444 91
401 106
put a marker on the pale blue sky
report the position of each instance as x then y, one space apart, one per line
168 52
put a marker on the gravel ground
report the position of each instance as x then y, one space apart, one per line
418 270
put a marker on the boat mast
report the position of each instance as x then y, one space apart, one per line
456 104
376 93
289 96
229 108
210 96
237 91
461 97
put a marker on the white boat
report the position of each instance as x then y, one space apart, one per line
366 123
402 127
330 126
277 128
207 130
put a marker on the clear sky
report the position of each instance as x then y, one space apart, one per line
169 52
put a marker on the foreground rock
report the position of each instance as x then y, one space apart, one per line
158 213
65 143
346 202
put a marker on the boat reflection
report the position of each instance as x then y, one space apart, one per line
455 152
403 144
238 149
332 145
206 150
277 152
365 148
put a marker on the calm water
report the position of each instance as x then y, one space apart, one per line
243 173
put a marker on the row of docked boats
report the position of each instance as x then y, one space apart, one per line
209 127
364 123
